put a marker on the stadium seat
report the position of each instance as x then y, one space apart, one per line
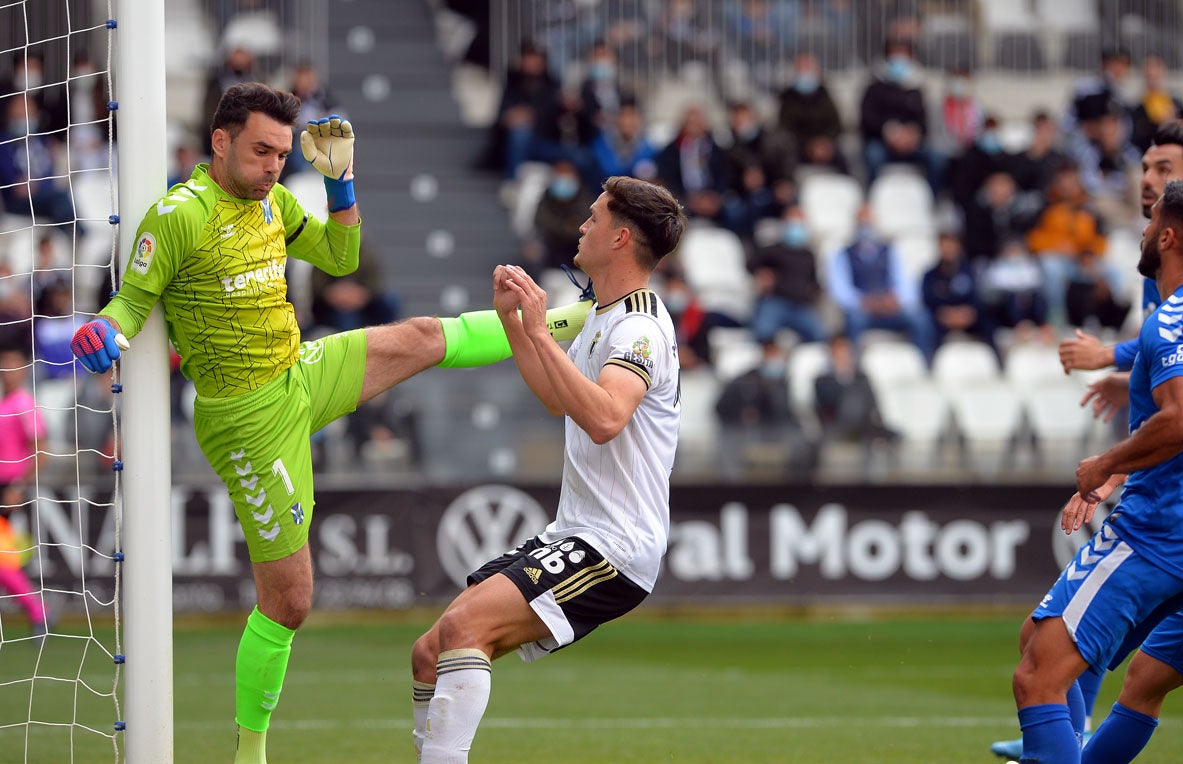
917 411
893 363
948 50
1059 425
807 361
700 426
918 253
1005 15
734 352
309 189
1019 51
256 31
830 202
1068 15
532 179
714 262
989 419
1082 50
1029 366
902 203
959 364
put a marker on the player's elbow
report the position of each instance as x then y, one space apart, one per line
603 431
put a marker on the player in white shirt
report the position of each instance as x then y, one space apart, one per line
617 385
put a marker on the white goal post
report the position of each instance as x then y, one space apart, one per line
142 150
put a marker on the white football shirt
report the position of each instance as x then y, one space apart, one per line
616 496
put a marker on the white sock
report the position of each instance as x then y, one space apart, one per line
462 684
421 693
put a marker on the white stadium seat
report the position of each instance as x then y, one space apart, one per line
714 262
958 364
892 363
831 202
902 203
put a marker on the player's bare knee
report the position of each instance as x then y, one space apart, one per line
424 654
288 607
456 631
1024 681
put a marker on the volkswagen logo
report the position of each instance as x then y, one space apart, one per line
483 523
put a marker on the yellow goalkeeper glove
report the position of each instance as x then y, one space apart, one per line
328 145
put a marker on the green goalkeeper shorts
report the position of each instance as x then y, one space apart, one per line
259 445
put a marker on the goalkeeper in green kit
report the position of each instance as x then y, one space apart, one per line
213 252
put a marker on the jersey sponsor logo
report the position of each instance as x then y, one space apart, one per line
270 273
1173 358
481 523
640 353
145 251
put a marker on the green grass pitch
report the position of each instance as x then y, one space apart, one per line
869 690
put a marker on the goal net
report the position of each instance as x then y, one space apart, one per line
62 541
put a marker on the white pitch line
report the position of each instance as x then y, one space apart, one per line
660 723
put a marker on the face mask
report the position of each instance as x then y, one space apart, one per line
899 68
959 88
806 83
796 234
19 128
773 369
28 80
603 71
676 302
866 233
564 187
747 132
988 142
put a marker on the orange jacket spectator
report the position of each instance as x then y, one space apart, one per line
1066 226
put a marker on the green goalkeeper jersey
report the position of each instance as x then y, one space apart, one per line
216 263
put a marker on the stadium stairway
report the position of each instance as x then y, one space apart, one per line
438 228
439 244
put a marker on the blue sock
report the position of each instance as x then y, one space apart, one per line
1048 735
1090 685
1076 709
1120 738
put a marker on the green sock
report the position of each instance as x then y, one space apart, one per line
259 671
477 338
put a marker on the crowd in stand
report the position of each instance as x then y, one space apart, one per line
1019 232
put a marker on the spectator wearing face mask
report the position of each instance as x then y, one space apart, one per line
27 168
601 92
868 282
561 211
950 292
978 161
809 116
788 292
893 119
960 119
621 148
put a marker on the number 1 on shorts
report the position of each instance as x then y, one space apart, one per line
277 468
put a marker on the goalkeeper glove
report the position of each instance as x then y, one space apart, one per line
97 345
328 145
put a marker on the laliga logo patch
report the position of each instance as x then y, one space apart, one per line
297 513
312 352
267 216
145 250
